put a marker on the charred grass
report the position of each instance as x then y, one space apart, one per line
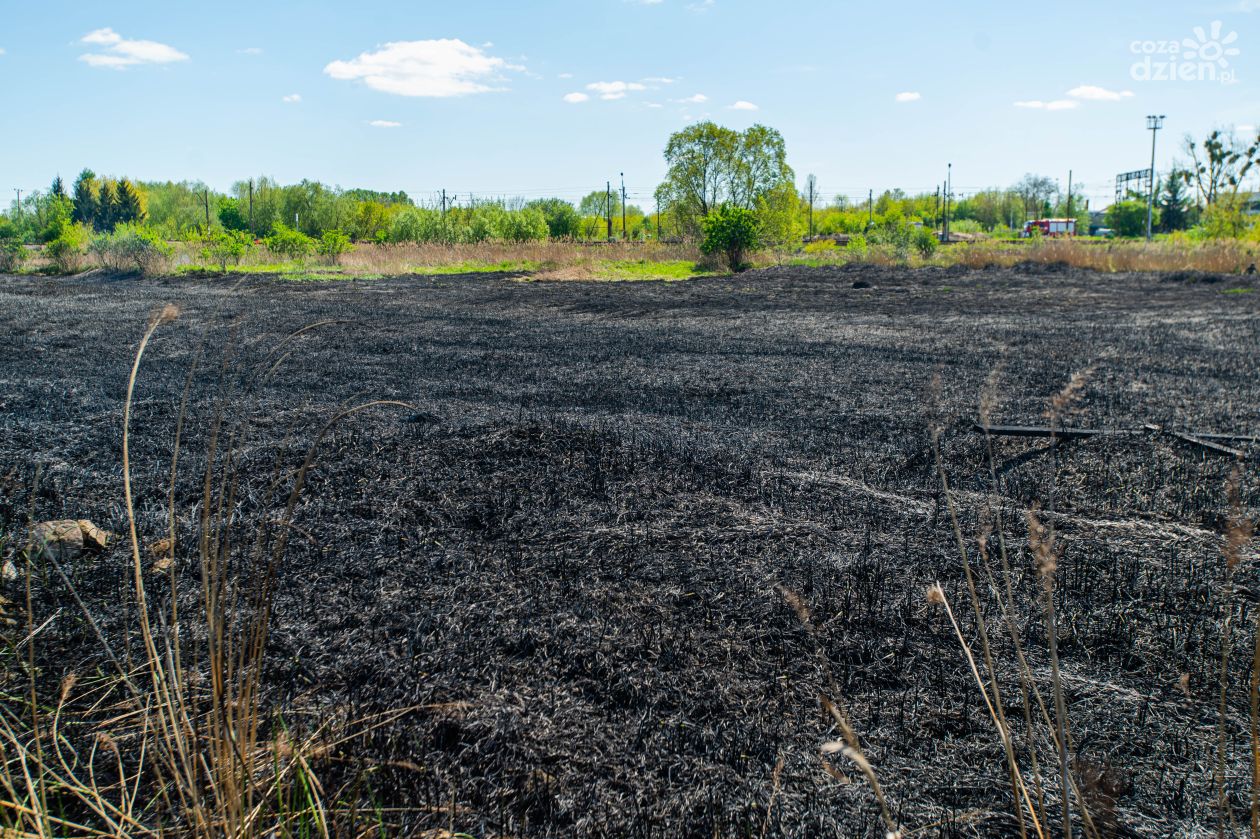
595 579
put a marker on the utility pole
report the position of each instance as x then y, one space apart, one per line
205 196
949 187
623 206
608 207
870 209
19 201
251 205
1153 123
1069 197
937 217
812 182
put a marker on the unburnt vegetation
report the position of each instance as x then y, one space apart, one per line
480 556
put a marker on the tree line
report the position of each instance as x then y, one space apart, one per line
709 167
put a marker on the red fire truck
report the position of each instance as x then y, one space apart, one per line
1050 227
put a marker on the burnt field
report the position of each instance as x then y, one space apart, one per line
575 555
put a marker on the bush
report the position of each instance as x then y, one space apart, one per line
897 237
131 247
925 242
333 244
1128 218
528 225
66 252
416 224
288 243
856 249
821 247
562 219
732 232
12 250
219 247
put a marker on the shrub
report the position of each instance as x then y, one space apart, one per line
924 242
416 224
219 247
528 225
12 251
821 247
732 232
856 249
131 247
1128 218
288 243
333 244
897 237
66 252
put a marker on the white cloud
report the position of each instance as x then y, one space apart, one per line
384 123
1053 105
1244 129
251 51
614 90
908 96
653 105
437 68
292 98
1099 94
565 76
743 105
696 99
659 80
119 52
574 98
1 50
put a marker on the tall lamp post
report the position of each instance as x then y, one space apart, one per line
1153 123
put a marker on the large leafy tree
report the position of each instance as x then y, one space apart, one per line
710 165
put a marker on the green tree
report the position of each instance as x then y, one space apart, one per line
563 221
732 232
58 189
12 250
230 215
130 203
85 198
1173 201
710 165
106 207
1128 218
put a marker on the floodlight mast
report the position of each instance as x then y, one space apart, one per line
1153 124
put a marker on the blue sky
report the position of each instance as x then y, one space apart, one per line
555 97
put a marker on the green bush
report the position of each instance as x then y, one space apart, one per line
528 225
288 243
924 242
732 232
219 247
896 236
12 250
416 224
1128 218
131 247
856 248
66 252
333 244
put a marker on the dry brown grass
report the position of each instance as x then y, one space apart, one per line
1217 257
550 255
